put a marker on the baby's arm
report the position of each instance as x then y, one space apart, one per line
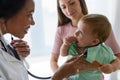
65 46
64 49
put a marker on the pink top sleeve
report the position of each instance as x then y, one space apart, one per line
112 42
57 42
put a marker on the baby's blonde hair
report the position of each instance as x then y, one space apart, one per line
100 25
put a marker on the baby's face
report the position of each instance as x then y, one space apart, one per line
84 35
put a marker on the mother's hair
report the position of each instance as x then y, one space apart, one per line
9 8
62 19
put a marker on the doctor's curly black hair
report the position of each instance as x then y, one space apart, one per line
9 8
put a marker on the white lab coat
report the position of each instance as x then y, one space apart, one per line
11 68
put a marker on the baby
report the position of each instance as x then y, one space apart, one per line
88 42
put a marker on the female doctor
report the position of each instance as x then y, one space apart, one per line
15 19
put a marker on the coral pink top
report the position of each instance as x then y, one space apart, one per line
68 30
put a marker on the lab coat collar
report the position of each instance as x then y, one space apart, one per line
8 57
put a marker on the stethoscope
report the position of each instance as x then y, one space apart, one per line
7 48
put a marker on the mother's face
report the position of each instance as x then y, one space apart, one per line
71 8
19 24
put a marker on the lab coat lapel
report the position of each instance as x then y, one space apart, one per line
8 57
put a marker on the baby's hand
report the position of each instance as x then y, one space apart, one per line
70 39
106 68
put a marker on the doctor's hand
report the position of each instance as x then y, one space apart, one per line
21 47
73 66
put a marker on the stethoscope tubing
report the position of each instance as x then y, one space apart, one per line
38 77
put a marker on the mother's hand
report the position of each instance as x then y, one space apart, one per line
21 47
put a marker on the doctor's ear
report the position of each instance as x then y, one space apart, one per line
2 21
3 24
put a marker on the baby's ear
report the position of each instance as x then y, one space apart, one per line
95 41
